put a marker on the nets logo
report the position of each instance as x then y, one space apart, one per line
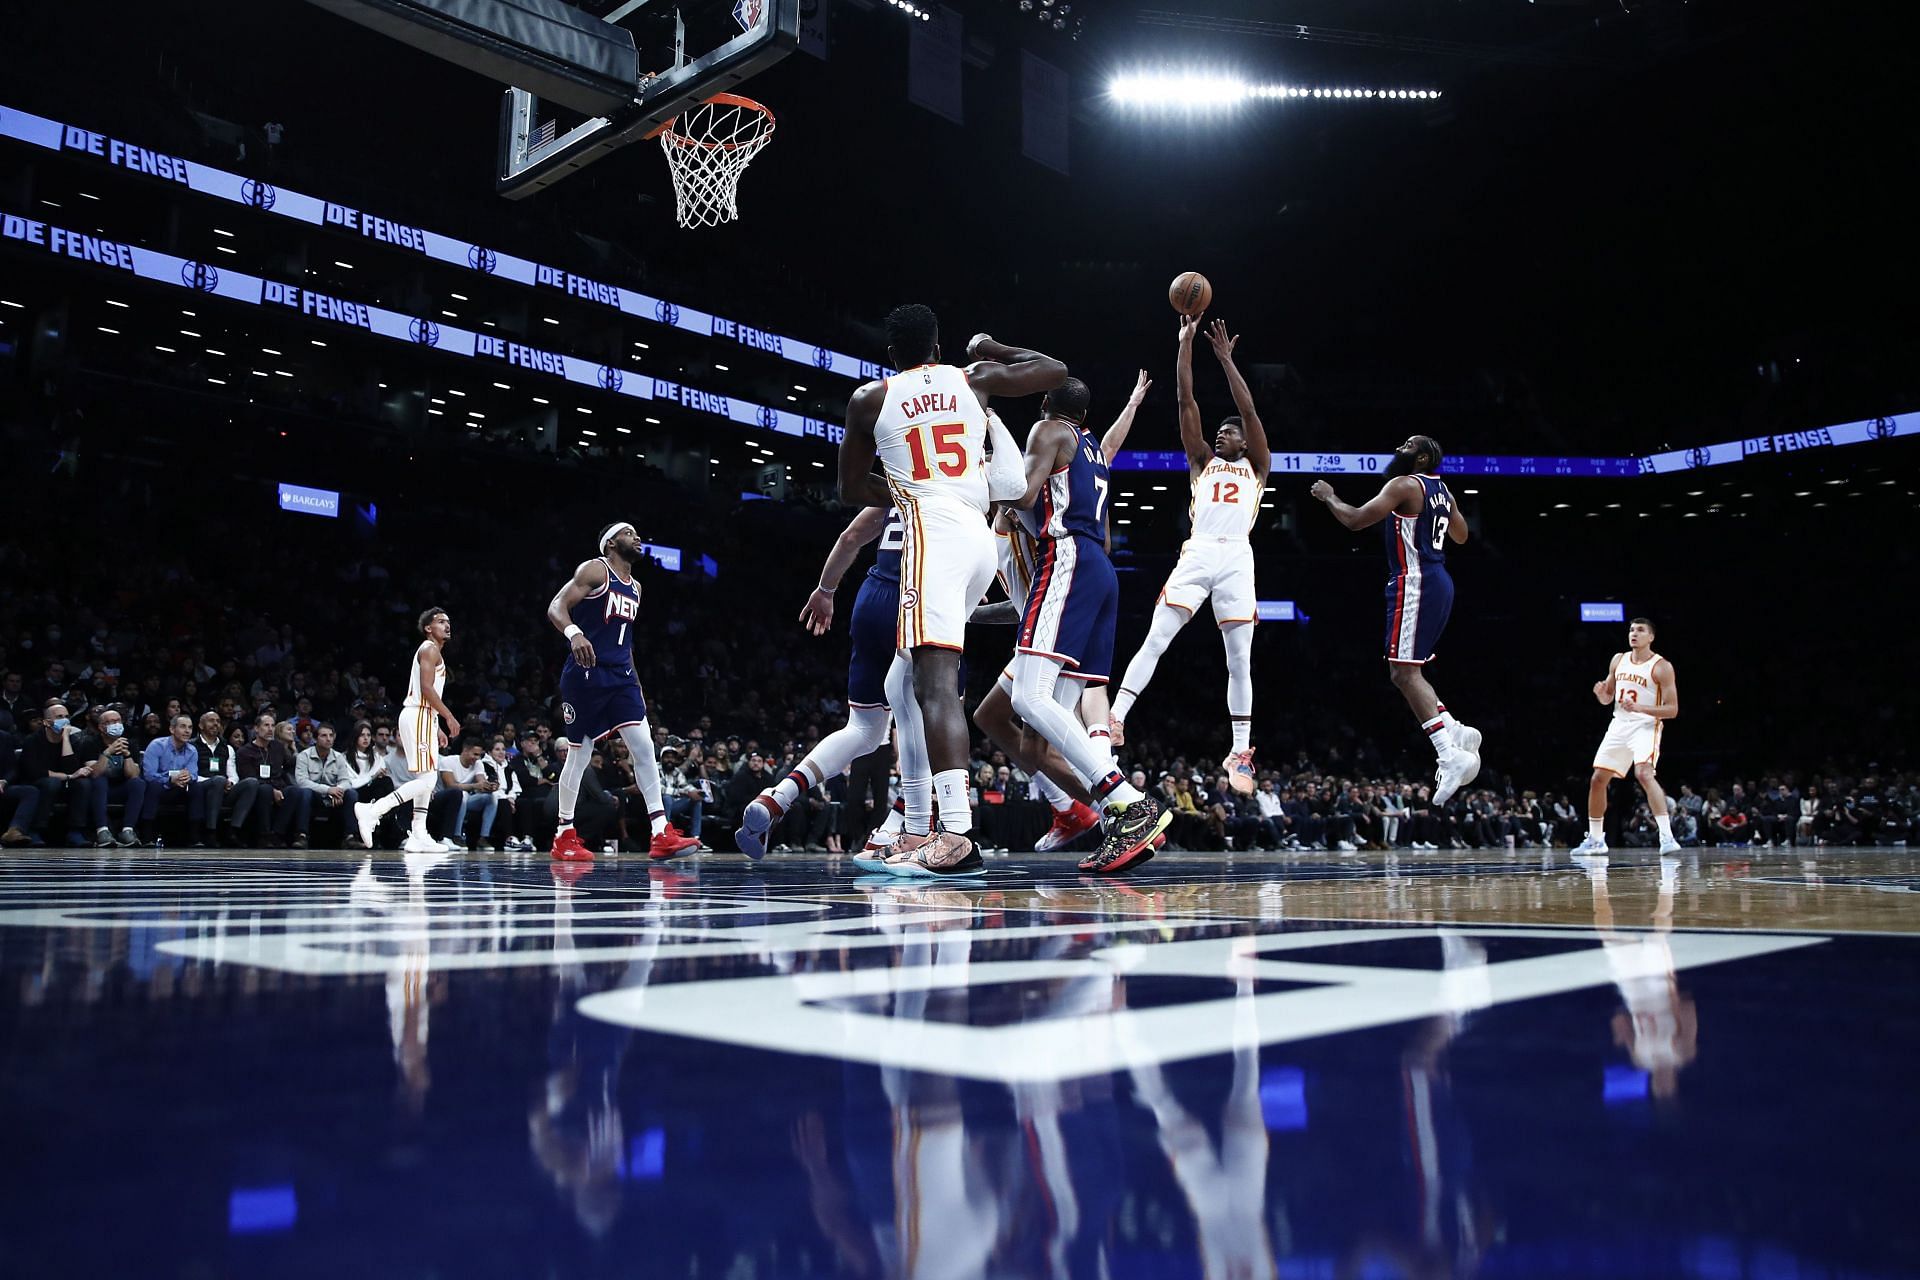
424 332
769 418
566 712
1881 428
482 260
822 358
199 275
1699 457
666 313
259 195
611 378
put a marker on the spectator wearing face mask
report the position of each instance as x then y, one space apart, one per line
44 771
115 779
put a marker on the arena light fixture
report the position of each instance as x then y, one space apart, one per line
218 382
115 302
580 408
169 350
316 342
20 306
654 421
503 386
455 391
549 319
911 9
541 400
102 328
625 431
347 265
189 333
212 352
458 297
269 351
221 231
722 368
1218 91
222 248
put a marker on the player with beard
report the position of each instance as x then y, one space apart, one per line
1421 518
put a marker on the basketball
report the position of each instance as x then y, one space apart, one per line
1190 293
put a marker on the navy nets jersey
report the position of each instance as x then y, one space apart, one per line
1074 500
1420 541
608 617
886 559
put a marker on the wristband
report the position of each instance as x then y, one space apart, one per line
823 589
571 631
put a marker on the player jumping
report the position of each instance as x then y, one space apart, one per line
1421 516
1216 562
600 693
1640 685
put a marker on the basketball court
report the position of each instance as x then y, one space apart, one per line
1442 1065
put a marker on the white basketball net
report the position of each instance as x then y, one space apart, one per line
708 149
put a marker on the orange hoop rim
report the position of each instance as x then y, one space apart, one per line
667 134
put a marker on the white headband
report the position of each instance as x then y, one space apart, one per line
612 529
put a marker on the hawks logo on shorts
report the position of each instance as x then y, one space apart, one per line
909 597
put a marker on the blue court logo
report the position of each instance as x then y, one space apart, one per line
822 358
1881 428
424 332
611 378
260 195
199 275
482 260
769 418
1699 457
665 312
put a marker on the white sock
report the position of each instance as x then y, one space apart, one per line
1438 734
894 823
956 813
1050 792
1123 703
785 792
572 769
1596 827
646 771
1665 823
1242 735
917 793
418 791
1446 717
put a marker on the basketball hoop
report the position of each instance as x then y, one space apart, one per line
708 149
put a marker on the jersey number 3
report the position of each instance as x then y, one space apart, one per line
948 447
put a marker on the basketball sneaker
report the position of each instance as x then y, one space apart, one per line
754 825
569 847
1592 846
363 822
671 844
1456 769
880 847
1067 827
1239 771
1670 847
1130 837
944 853
425 844
1466 737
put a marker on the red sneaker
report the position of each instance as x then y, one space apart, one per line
566 874
1068 827
569 847
671 844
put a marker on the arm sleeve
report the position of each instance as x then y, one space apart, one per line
1007 468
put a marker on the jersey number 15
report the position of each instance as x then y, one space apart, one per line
949 447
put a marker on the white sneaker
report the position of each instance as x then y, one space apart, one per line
1670 846
1592 846
449 846
421 844
1457 768
363 821
1466 737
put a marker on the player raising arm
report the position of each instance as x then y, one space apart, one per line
1420 518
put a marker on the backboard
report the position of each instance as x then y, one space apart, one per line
689 50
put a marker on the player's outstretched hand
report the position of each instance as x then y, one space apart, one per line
1140 385
816 615
1222 345
1189 325
1320 491
583 651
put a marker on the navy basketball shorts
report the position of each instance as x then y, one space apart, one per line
595 701
1072 608
876 619
1418 603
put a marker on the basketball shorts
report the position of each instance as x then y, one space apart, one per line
1417 609
1630 740
419 729
1220 569
1073 607
595 701
947 562
1017 552
876 616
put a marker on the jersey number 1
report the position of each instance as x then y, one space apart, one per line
948 447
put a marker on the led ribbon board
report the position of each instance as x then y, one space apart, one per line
237 286
282 202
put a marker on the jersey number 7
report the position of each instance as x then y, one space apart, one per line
948 447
